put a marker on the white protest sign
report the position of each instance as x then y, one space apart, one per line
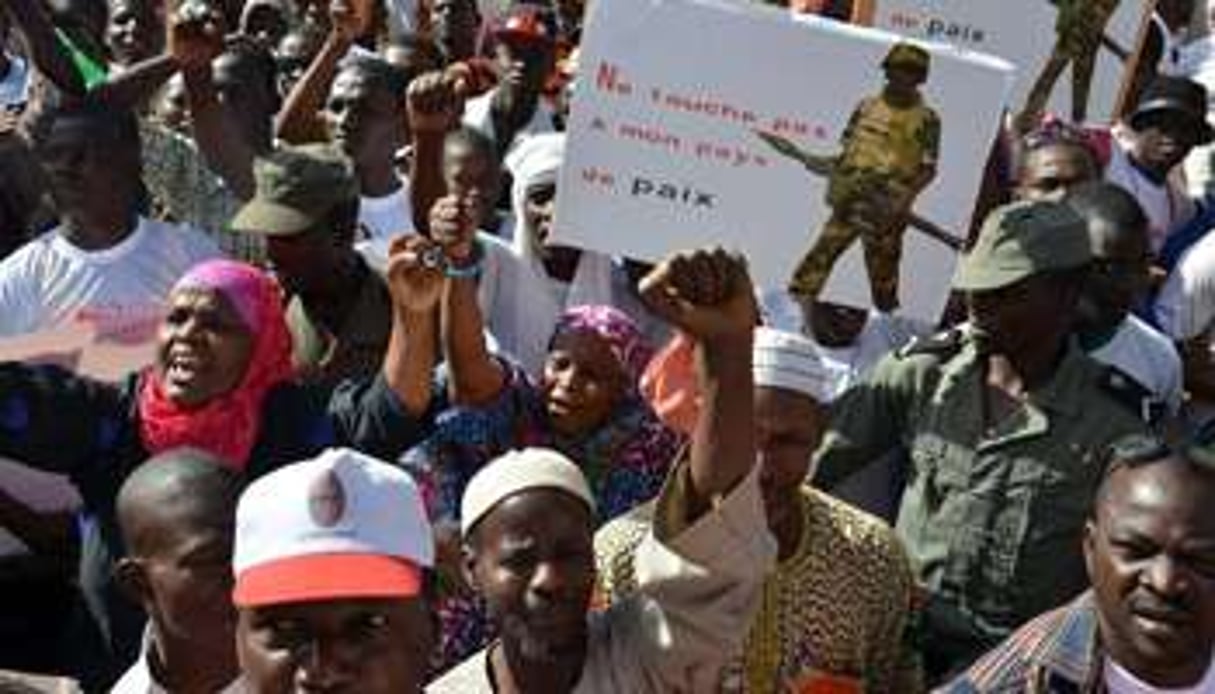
664 149
1025 32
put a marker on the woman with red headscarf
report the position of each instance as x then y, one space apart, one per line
222 381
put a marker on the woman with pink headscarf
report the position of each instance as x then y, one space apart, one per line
223 382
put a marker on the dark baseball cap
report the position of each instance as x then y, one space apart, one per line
294 188
1023 239
1167 94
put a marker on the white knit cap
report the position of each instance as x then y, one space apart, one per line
342 525
516 471
792 361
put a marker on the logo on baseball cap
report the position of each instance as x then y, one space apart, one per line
342 525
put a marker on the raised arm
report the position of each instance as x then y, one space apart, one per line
53 420
709 297
433 108
300 118
195 39
474 376
32 20
416 288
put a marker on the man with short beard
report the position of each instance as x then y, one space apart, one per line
1148 623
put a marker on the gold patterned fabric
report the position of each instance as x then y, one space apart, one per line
833 614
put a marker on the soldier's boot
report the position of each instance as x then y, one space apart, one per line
815 267
883 252
1082 82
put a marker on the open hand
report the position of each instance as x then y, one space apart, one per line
706 294
415 284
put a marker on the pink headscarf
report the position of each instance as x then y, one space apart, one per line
227 426
615 328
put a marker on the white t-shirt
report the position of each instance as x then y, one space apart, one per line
15 87
1165 204
1119 680
119 291
520 303
477 117
1149 357
387 216
1185 306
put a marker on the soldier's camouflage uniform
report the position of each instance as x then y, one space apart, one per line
871 191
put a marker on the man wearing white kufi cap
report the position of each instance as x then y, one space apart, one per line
835 609
526 521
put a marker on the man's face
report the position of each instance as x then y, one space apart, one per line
203 347
365 120
524 65
246 85
834 325
368 646
266 22
1119 274
455 25
788 427
582 383
1053 170
469 171
89 169
539 209
131 33
303 262
187 578
1012 319
1163 140
532 561
903 80
292 57
1151 560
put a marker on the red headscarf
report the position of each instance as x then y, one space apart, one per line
227 426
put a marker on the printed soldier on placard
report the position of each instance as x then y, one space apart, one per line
1079 35
889 156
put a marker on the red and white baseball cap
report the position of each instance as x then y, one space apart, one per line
342 525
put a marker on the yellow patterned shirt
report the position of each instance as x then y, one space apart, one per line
833 614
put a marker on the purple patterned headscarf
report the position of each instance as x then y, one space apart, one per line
614 327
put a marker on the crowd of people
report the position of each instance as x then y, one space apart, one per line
304 393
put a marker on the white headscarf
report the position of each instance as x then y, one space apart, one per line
520 301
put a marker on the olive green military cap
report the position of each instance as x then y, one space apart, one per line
294 188
1021 240
908 55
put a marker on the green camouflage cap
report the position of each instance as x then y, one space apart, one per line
294 188
1021 240
908 55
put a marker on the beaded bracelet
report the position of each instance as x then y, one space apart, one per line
471 270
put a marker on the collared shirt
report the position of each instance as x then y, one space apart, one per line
698 588
138 679
357 348
833 611
993 514
1059 651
